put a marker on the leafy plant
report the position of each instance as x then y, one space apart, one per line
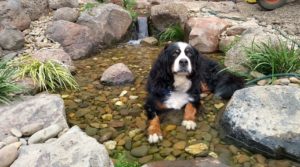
122 161
48 75
268 58
8 87
129 6
88 6
173 33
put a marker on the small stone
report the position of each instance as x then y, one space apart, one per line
107 117
23 141
213 154
179 145
165 151
203 95
294 80
233 149
64 96
166 143
149 41
16 132
284 81
133 97
170 128
110 145
145 159
123 93
9 154
31 128
119 103
10 139
262 82
45 134
106 136
121 142
260 158
116 124
256 74
133 132
139 151
170 158
95 125
91 131
197 149
241 158
219 105
128 144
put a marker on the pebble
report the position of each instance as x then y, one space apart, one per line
170 158
145 159
116 124
260 159
197 149
256 74
219 105
45 134
165 151
166 143
213 154
9 154
10 139
233 149
107 117
133 132
294 80
110 145
30 129
241 158
179 145
139 151
16 132
119 103
123 93
262 82
284 81
170 128
133 97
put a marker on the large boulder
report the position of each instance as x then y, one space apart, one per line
117 74
168 14
35 8
74 148
198 162
236 57
11 38
77 40
203 33
56 4
108 22
265 119
12 13
44 108
66 13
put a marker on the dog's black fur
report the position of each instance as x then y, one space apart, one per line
161 79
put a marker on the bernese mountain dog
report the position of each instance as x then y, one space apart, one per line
177 78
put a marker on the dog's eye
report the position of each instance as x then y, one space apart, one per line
176 53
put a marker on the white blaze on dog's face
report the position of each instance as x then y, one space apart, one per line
182 63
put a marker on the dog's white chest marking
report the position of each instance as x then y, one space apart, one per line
178 98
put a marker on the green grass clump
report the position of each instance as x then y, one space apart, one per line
49 75
172 33
129 6
8 87
268 58
88 6
121 161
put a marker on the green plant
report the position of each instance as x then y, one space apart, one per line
48 75
270 58
129 5
235 41
8 87
100 1
88 6
173 33
122 161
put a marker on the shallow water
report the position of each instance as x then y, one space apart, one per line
104 115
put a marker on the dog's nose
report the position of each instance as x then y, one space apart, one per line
183 62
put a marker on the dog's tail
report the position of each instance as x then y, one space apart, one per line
221 82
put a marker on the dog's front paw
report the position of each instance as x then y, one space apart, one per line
189 125
154 138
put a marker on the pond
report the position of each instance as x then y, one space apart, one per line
115 114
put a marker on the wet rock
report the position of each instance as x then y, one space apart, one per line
77 40
12 13
110 145
108 23
165 151
168 14
44 108
11 38
35 8
170 128
16 132
116 124
268 108
55 54
198 162
145 159
117 74
204 33
10 139
66 13
139 151
179 145
197 149
56 4
74 143
45 134
91 131
149 41
8 154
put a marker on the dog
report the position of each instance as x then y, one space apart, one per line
177 78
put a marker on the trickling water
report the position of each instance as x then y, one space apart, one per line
142 27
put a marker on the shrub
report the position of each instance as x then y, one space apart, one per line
48 75
268 58
7 85
121 161
129 6
172 33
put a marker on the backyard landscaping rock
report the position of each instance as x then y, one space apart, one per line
30 129
12 13
77 40
16 132
66 13
11 38
117 74
204 33
35 8
45 134
108 22
8 154
149 41
56 4
265 119
61 152
10 139
44 108
168 14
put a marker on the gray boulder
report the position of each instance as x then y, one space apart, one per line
108 23
77 40
117 74
44 108
45 134
74 148
265 119
66 13
35 8
56 4
11 38
12 13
